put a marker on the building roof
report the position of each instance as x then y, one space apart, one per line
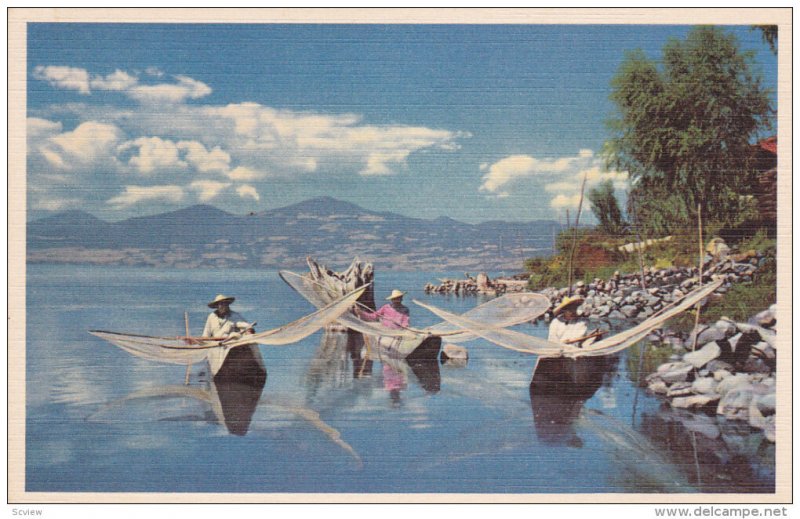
769 144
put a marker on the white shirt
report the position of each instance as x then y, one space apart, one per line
220 327
562 332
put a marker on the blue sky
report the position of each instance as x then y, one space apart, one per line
472 122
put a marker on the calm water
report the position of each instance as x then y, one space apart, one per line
99 419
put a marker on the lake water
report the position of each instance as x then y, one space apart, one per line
101 420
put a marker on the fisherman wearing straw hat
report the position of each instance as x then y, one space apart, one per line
223 323
392 315
566 328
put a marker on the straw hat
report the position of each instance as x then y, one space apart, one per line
221 299
395 294
567 302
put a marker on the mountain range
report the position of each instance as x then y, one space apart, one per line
327 229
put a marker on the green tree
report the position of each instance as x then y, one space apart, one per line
684 128
606 209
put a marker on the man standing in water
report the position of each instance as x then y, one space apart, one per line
566 328
393 315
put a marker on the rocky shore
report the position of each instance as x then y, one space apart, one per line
730 371
624 297
480 284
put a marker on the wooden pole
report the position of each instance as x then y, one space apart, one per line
699 273
575 233
189 367
640 247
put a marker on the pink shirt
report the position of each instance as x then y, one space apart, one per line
389 316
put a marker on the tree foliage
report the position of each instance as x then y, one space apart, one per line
684 128
769 33
606 209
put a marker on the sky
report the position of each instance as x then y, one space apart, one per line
474 123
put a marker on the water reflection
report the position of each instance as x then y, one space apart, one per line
558 392
346 359
357 349
717 455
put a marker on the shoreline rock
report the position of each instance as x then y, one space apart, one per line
737 385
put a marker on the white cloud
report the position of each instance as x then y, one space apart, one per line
302 141
562 176
245 174
38 128
248 191
69 78
185 88
208 189
90 143
154 71
515 167
204 160
73 78
565 201
136 194
55 204
379 163
117 81
154 154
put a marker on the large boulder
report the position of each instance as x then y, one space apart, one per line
680 389
693 401
454 355
737 381
735 404
703 356
712 334
718 248
765 319
705 386
673 372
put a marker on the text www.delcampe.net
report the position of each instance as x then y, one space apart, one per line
721 511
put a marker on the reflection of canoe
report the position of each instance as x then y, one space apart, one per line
239 383
579 378
559 388
428 373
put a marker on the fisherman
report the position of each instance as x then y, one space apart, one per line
392 315
223 323
567 328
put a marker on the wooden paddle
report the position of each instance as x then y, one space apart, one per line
596 333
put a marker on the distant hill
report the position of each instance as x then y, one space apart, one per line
325 228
